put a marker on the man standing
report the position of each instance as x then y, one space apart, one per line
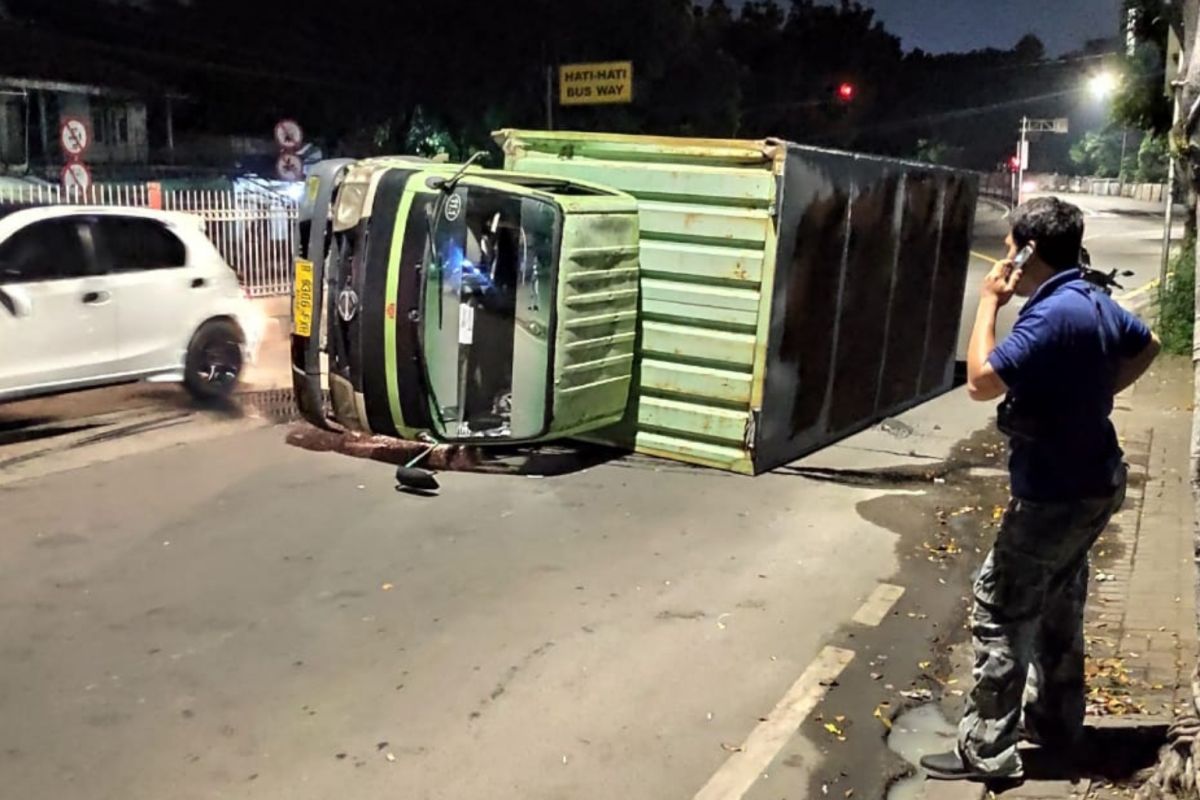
1071 349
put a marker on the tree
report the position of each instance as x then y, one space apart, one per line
1099 155
1152 159
1140 102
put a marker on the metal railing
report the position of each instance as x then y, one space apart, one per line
106 194
254 230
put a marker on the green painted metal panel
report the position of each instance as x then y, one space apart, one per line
694 344
707 245
692 420
705 383
597 317
735 227
700 262
719 306
676 448
723 186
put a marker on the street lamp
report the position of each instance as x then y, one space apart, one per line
1103 85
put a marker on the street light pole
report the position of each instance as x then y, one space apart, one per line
1121 169
1022 158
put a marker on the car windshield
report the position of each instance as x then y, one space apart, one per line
487 311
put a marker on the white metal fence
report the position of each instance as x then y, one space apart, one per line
108 194
254 230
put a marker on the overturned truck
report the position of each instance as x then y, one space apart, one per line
733 304
454 304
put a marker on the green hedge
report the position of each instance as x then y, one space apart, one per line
1176 308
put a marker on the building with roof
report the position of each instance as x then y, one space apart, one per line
46 79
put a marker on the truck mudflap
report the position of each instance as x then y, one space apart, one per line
308 294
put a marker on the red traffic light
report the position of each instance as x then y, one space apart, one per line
846 92
1014 164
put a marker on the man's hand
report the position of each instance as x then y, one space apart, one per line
1000 283
982 381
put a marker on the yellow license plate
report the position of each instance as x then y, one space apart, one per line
302 298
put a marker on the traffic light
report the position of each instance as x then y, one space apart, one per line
1014 164
846 92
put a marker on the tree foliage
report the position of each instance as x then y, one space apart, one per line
1142 102
356 72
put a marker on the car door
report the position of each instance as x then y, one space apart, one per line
154 289
57 321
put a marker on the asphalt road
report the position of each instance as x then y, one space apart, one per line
208 612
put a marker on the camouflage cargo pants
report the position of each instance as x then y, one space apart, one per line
1027 626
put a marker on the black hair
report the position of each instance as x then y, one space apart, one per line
1057 227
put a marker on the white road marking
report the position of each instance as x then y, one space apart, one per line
741 770
878 605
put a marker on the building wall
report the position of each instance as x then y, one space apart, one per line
13 152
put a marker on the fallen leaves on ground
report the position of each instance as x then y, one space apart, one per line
881 716
836 731
1109 686
942 550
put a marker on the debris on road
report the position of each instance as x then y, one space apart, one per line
1109 686
732 748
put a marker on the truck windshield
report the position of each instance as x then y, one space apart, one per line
488 301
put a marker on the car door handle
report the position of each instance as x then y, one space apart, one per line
199 283
96 298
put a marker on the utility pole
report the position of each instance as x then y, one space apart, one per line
1169 214
1022 158
1121 169
549 97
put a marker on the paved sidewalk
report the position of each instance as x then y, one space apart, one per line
1141 615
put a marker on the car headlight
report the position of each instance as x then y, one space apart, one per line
351 200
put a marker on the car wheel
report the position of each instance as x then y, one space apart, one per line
214 361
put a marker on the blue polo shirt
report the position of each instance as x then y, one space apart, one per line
1060 362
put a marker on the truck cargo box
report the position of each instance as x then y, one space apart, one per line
790 296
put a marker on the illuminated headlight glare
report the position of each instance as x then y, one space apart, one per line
350 203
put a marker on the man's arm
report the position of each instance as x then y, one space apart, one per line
983 383
1130 369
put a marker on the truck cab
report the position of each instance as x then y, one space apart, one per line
463 305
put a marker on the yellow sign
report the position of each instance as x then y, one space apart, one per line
595 84
302 298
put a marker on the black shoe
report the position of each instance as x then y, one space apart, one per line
951 767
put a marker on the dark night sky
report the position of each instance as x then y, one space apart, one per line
939 26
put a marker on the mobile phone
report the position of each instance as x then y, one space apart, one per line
1023 257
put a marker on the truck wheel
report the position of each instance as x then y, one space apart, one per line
214 361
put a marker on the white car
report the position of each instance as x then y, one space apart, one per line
95 296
